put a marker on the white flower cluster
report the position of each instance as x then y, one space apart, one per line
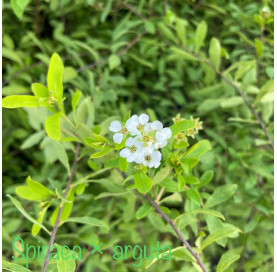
143 139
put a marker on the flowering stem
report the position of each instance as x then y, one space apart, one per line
179 234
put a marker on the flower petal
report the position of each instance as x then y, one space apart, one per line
143 119
157 125
124 153
117 138
156 156
130 142
115 126
167 132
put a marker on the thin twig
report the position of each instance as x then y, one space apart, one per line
55 229
133 10
239 91
179 234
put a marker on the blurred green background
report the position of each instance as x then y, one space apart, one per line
126 55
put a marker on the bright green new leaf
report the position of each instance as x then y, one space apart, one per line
181 126
200 35
123 164
35 227
80 189
53 127
67 264
39 90
55 77
143 183
114 61
198 149
18 7
75 99
259 48
224 231
181 182
215 52
7 266
92 221
221 194
101 153
226 260
18 205
34 191
18 101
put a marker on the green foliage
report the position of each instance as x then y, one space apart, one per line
171 60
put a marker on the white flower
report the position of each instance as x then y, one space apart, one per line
152 159
163 134
135 124
133 151
115 126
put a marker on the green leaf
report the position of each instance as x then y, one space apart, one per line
208 212
55 77
101 153
194 196
18 101
181 126
166 32
224 231
18 7
142 182
141 61
75 99
18 205
92 221
231 102
215 52
36 228
143 210
259 48
183 54
69 74
33 140
66 265
34 191
12 55
200 35
123 164
114 61
149 27
221 194
67 208
53 127
179 252
161 175
181 182
198 149
39 90
205 178
13 267
226 260
80 189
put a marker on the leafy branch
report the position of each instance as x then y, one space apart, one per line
176 230
56 226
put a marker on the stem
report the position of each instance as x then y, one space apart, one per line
179 234
55 229
68 121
